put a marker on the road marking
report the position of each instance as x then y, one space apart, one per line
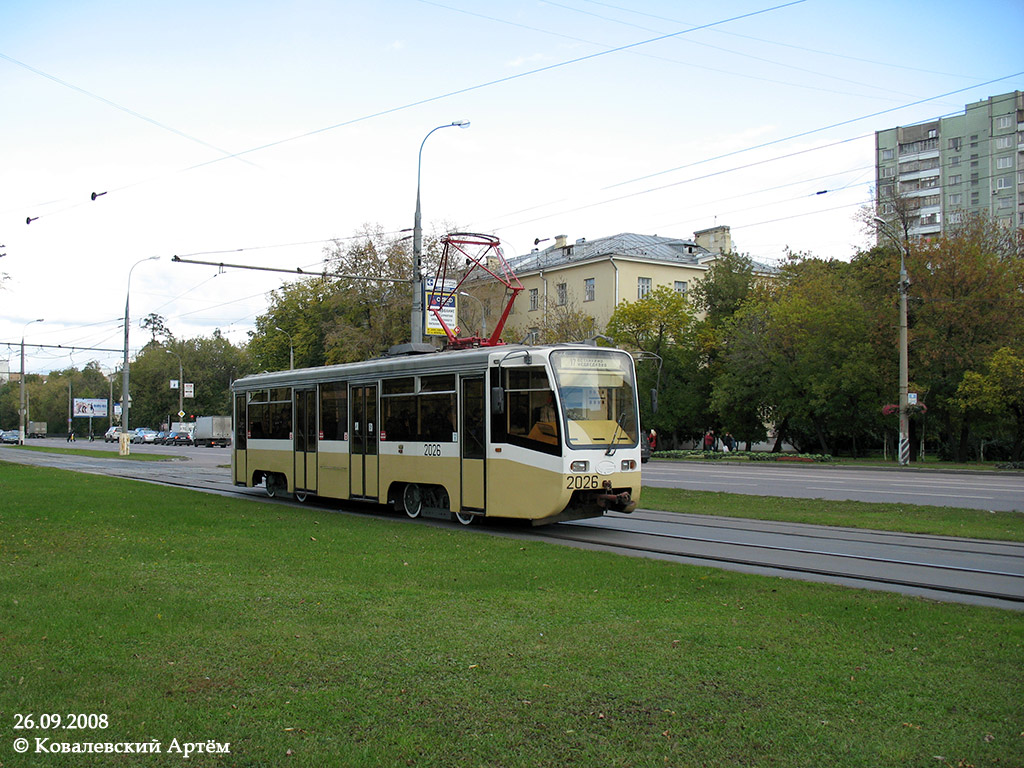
908 493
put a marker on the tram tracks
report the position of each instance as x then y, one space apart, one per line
963 570
944 568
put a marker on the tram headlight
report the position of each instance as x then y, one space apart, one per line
628 465
580 466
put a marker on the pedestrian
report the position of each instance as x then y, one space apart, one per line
709 440
729 442
652 440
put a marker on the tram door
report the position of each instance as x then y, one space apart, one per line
305 440
363 467
241 427
473 447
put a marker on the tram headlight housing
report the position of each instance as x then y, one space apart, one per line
628 465
580 466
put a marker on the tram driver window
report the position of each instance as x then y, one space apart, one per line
531 418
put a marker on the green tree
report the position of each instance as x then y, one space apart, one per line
997 395
732 403
967 301
661 324
803 347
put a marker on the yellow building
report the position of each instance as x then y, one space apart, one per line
593 276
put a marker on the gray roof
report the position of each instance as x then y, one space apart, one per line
652 247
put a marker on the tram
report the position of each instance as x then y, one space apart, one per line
542 434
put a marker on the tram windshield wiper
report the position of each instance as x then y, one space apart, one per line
618 428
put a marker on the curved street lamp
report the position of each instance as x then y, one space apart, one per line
125 397
291 348
904 285
416 319
22 407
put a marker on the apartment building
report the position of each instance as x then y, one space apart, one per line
936 172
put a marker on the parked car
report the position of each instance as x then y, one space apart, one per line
112 435
161 437
179 438
9 436
144 435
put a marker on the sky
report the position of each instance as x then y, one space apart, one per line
257 132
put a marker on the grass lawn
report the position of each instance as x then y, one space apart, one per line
305 637
908 518
94 454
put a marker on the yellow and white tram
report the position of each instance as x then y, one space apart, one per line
537 433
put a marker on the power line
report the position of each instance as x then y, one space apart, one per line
479 86
812 131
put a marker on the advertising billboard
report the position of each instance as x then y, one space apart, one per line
89 406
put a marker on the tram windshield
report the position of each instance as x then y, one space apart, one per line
597 393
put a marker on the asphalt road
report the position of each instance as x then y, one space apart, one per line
972 490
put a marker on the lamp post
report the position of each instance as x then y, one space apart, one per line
181 383
416 319
22 407
125 397
291 348
903 287
483 320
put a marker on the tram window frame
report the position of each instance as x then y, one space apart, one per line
517 422
334 410
441 383
405 385
419 408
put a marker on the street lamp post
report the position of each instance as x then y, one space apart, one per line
181 383
483 320
125 397
291 348
904 285
22 406
416 318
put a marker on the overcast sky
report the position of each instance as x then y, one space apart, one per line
255 132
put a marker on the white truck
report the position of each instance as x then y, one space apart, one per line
212 430
36 429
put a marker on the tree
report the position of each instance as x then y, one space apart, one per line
559 323
661 324
370 314
800 353
157 326
967 301
731 402
998 394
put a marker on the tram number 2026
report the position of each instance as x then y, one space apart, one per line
582 482
432 449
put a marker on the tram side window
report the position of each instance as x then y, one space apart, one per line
333 411
425 413
398 417
530 419
259 415
437 417
273 420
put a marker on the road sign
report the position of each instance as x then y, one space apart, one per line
190 389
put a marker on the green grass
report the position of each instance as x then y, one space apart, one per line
369 641
93 453
908 518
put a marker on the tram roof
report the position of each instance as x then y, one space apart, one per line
447 361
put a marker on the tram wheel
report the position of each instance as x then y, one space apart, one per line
301 496
465 518
271 484
412 500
